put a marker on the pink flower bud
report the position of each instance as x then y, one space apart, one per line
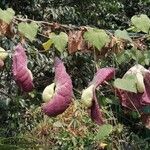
22 75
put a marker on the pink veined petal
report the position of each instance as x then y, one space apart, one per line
135 101
146 95
63 92
102 75
95 112
129 100
20 71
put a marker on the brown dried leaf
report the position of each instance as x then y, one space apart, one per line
56 25
76 41
139 44
5 29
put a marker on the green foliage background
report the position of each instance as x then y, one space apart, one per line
106 14
22 123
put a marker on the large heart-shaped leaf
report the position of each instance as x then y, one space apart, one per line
7 15
141 22
59 41
123 35
128 83
96 37
29 30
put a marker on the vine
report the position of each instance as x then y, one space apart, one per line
66 40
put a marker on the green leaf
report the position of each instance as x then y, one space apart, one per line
7 15
59 41
104 131
130 77
47 44
123 35
29 30
134 114
128 83
97 38
141 22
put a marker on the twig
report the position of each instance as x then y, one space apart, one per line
74 27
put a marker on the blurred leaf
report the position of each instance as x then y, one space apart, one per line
60 40
141 22
123 57
122 35
29 30
47 44
128 83
9 147
119 128
57 124
134 114
7 15
96 37
104 131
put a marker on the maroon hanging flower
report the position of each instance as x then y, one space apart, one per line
62 97
89 95
22 75
137 101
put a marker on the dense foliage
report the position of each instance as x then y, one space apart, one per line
83 50
105 13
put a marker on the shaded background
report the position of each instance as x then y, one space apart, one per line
101 13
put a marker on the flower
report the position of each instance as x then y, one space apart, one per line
89 98
62 97
21 74
136 101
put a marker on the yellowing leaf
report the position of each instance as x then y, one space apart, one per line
47 44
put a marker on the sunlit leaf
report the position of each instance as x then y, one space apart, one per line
7 15
29 30
96 37
141 22
59 41
104 131
128 83
123 35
